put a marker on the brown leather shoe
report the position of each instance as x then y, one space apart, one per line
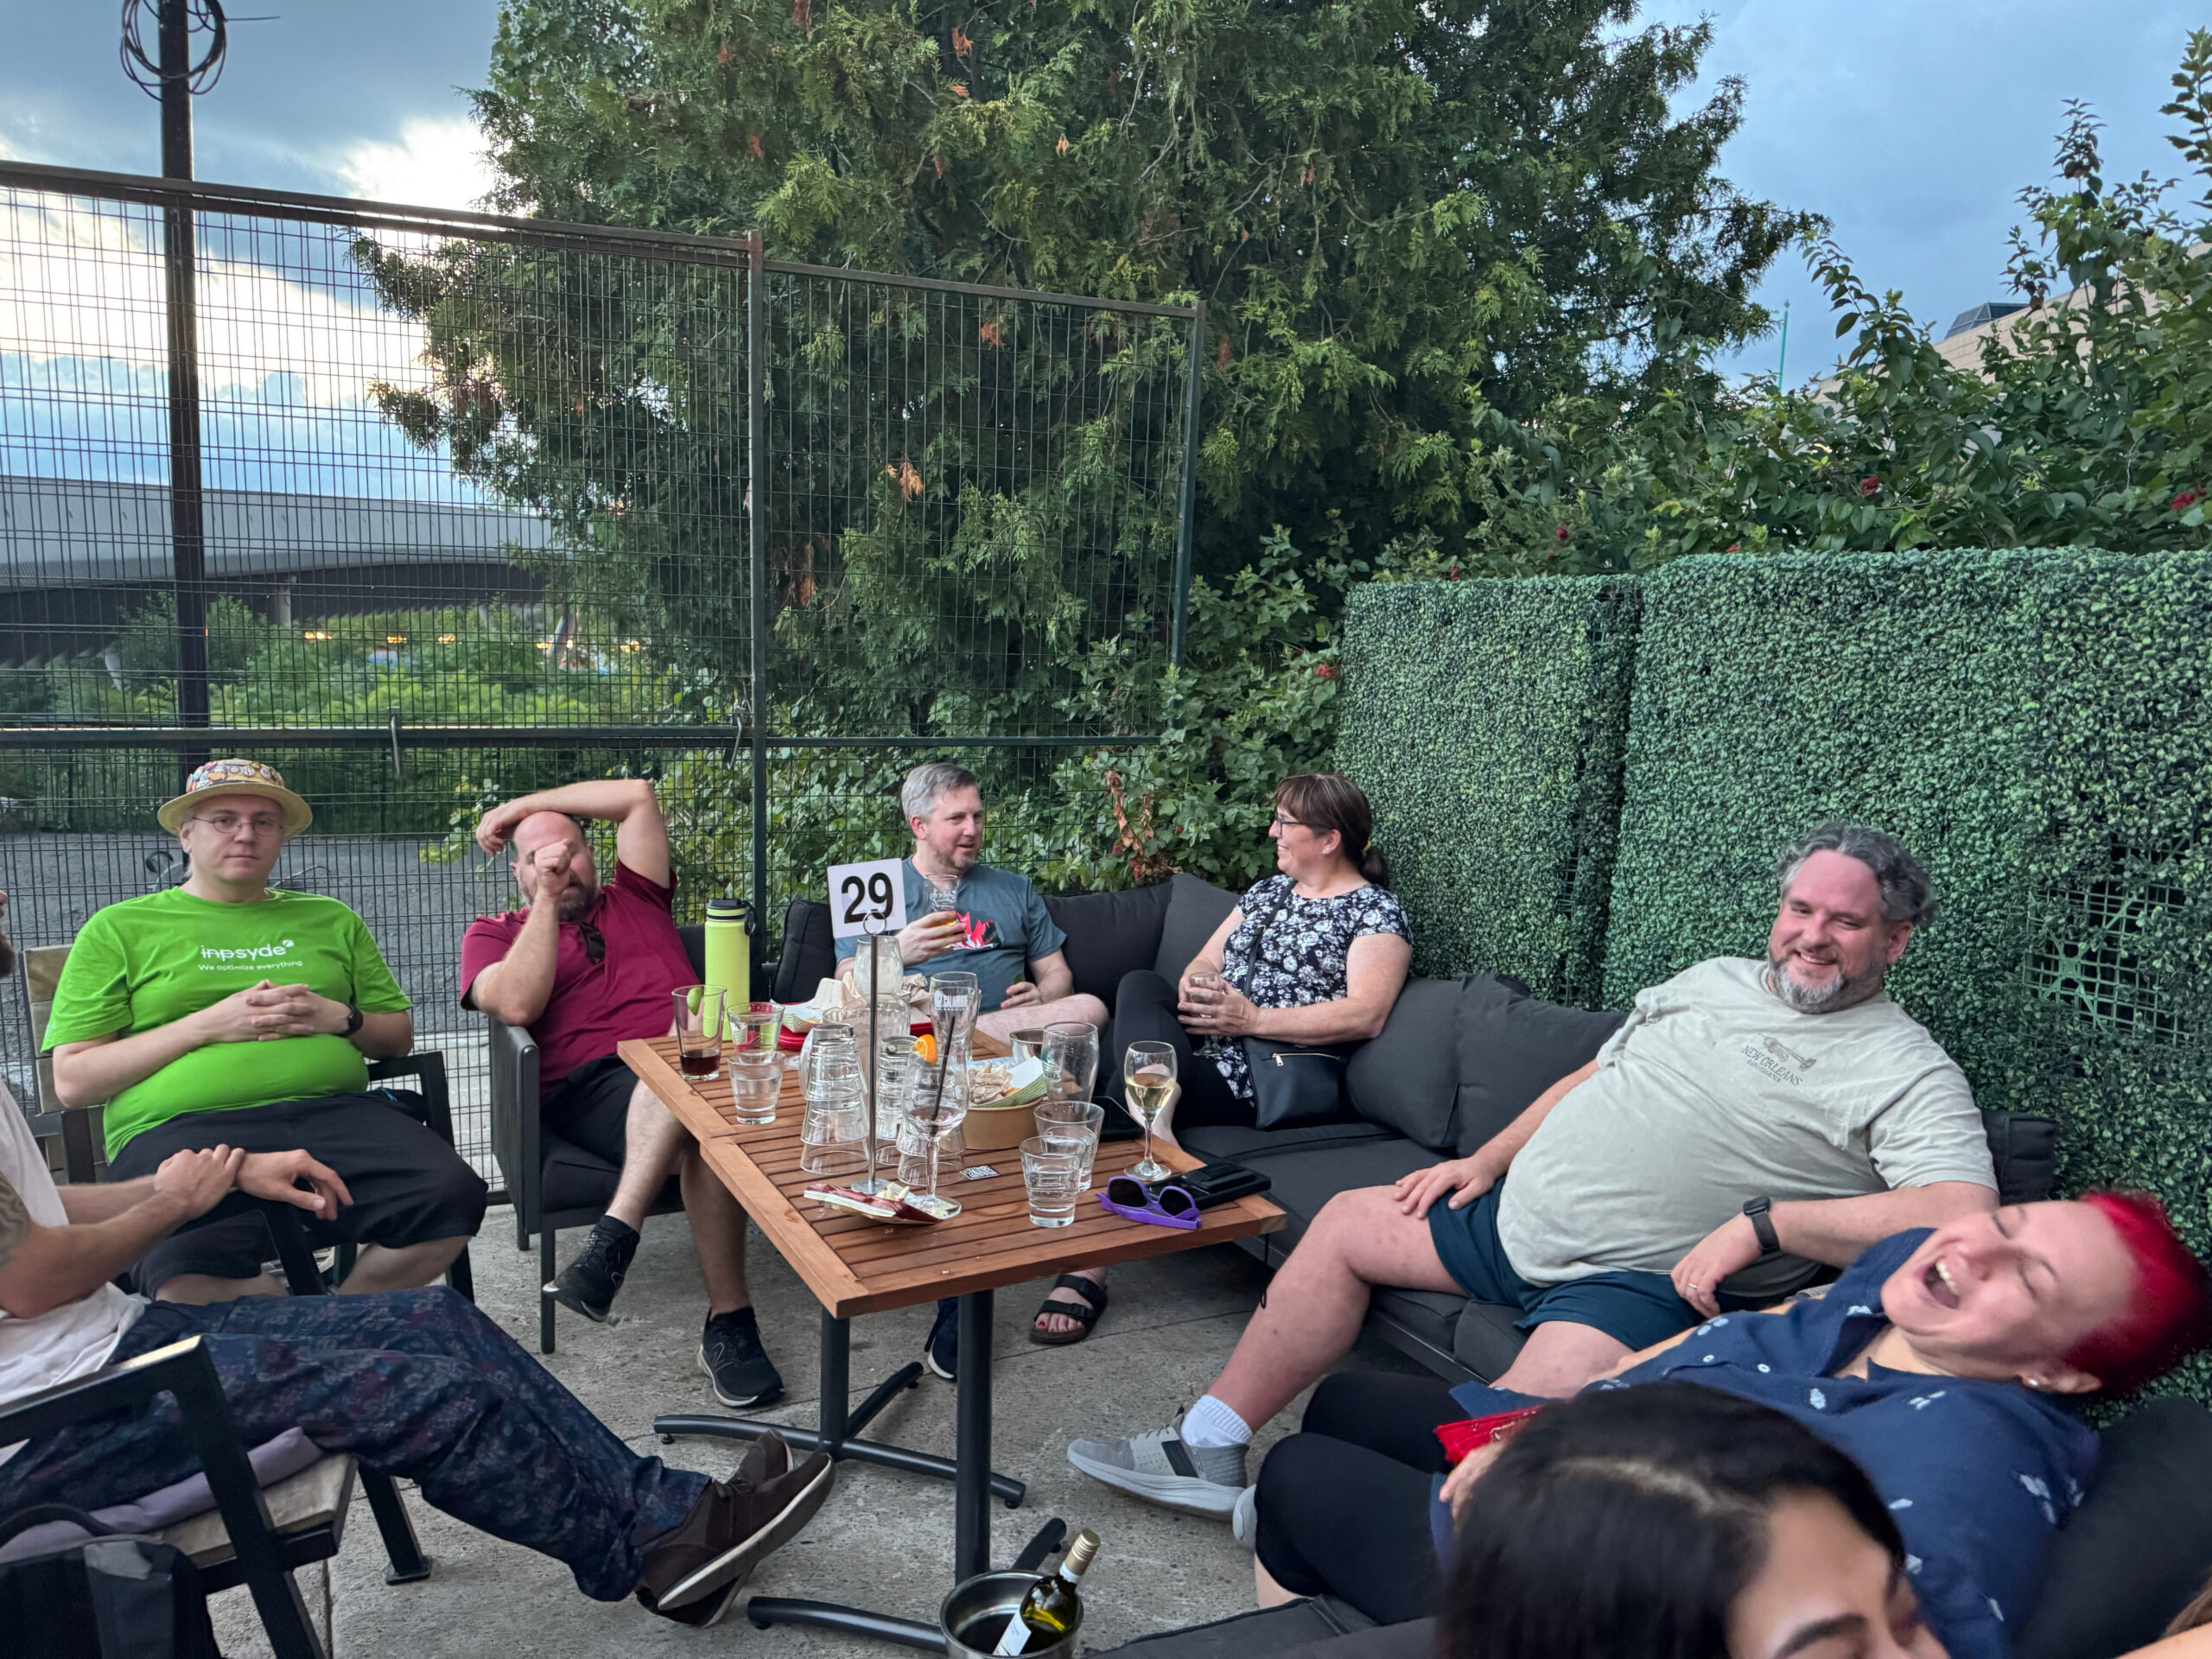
693 1572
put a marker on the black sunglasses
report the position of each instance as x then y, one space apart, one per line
595 942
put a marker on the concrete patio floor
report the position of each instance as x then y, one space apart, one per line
884 1540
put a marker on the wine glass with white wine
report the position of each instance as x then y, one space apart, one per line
1148 1080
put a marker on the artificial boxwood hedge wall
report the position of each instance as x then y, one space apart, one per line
1486 720
2037 726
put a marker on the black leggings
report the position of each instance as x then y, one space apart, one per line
1144 1012
1343 1503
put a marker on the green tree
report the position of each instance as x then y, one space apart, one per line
1406 220
2086 425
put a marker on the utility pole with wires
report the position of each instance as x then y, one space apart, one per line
179 68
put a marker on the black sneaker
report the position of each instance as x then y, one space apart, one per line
941 1353
589 1284
730 1352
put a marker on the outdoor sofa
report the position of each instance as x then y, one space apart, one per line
1459 1059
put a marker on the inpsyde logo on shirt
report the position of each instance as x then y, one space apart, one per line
215 959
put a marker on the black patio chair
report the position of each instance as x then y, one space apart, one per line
256 1538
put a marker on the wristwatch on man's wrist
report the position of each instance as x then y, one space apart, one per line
352 1021
1763 1225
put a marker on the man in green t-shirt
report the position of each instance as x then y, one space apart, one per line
156 1004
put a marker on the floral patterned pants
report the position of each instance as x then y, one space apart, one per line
415 1383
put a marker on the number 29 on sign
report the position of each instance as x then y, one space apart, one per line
867 897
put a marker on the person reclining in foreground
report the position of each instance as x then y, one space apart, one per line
1747 1123
586 966
413 1382
1936 1361
222 1012
1680 1522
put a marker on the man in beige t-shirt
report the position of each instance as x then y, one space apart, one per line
1749 1121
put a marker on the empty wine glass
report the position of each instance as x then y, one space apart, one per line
937 1102
1148 1080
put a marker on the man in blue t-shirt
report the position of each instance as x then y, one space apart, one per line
968 918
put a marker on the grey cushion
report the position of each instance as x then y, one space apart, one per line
1429 1315
2025 1150
1240 1142
1195 908
1484 1340
1294 1625
1111 934
1306 1178
1415 1639
1407 1078
1513 1046
2133 1556
810 955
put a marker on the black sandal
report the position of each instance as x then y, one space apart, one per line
1094 1297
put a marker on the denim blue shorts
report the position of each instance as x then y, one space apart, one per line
1636 1309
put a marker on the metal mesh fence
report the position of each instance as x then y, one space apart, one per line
475 517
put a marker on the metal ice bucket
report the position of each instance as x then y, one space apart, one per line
990 1593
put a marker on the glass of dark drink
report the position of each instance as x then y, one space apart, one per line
699 1014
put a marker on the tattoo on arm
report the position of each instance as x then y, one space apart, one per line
15 1221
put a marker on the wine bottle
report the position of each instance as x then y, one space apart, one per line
1051 1608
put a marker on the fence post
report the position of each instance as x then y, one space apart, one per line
756 531
188 522
1189 507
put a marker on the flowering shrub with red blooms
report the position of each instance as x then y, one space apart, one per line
1870 486
1560 531
1326 670
2187 498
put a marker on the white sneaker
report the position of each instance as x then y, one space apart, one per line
1161 1469
1244 1519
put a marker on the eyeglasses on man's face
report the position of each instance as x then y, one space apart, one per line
263 824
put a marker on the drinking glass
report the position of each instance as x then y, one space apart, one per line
936 898
936 1104
1053 1173
1026 1044
1073 1123
954 1000
833 1133
699 1032
1148 1080
756 1073
1071 1056
895 1060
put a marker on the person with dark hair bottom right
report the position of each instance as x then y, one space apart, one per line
1315 954
1937 1362
1678 1524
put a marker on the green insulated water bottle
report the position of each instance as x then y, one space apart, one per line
730 951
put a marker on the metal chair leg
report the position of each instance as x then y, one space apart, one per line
409 1563
545 1302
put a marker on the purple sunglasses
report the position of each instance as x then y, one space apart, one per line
1170 1206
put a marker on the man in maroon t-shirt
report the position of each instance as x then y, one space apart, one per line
584 967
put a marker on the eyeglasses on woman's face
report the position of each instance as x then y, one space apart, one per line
1284 821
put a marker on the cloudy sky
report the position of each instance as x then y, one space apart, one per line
1911 123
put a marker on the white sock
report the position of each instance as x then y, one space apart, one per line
1212 1423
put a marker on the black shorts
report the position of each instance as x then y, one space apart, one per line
591 1108
409 1186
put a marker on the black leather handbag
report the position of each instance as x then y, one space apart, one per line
1293 1083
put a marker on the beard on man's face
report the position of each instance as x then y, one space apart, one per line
1844 991
575 901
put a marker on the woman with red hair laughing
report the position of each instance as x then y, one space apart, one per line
1937 1360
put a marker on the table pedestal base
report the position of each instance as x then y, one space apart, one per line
975 1483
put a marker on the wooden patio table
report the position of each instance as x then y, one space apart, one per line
854 1266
